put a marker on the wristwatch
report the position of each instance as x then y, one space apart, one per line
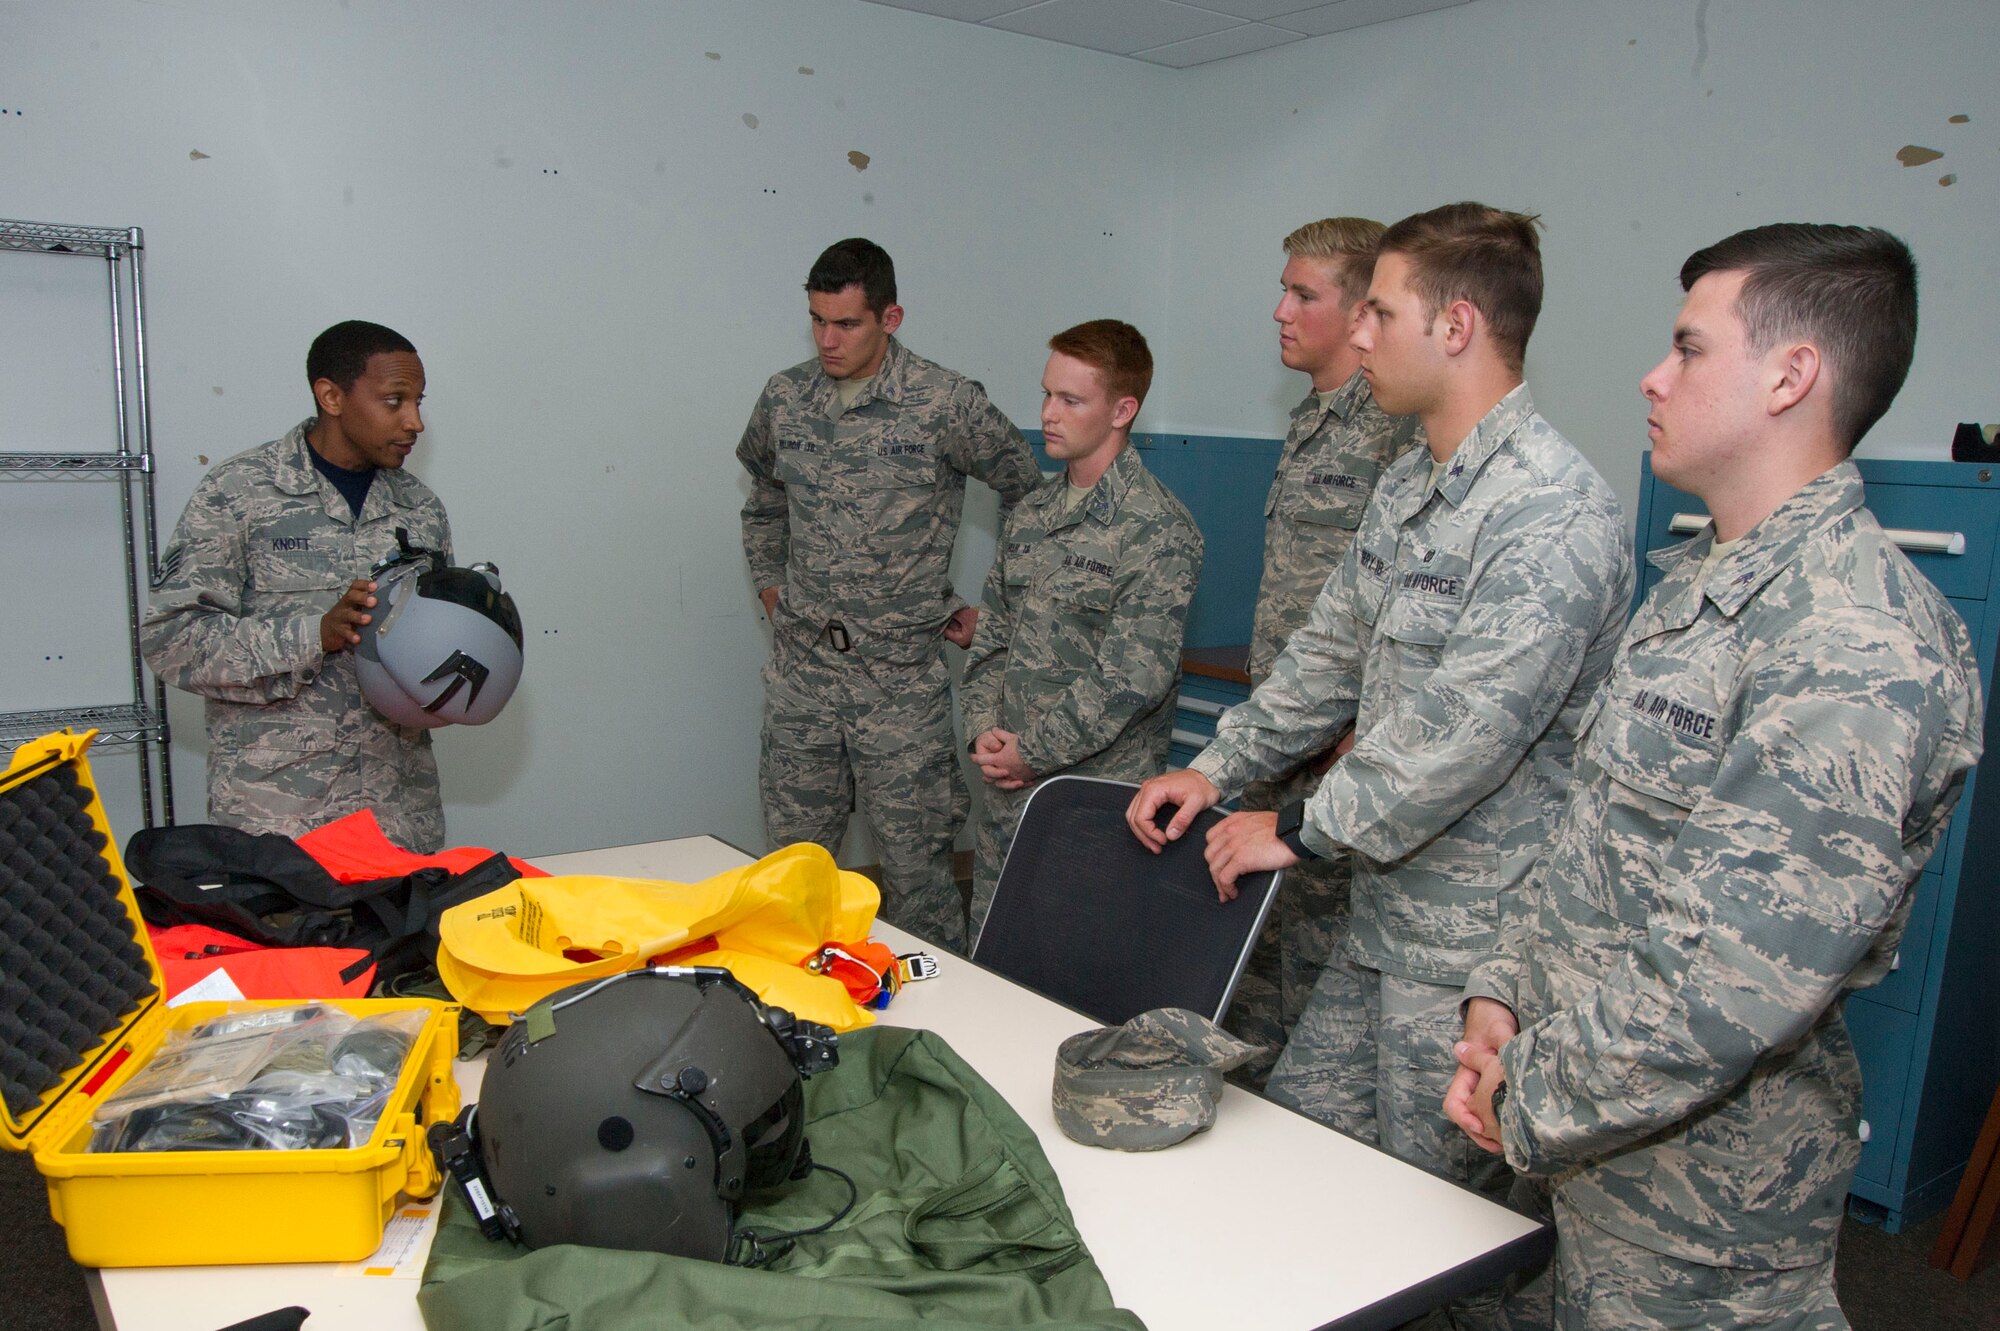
1499 1098
1290 819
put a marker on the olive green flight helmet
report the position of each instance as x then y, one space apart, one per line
634 1112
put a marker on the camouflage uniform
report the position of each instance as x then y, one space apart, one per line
853 517
1332 456
1760 781
1079 645
1334 450
1462 636
264 550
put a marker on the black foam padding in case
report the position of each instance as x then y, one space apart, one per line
71 968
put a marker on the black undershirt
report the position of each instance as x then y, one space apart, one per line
353 485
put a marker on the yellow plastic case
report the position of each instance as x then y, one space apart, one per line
193 1208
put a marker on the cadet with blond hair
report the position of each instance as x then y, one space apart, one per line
1336 448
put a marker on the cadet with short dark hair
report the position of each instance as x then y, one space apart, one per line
857 463
1786 729
265 586
1462 637
1074 666
1338 444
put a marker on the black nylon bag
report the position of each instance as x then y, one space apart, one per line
267 889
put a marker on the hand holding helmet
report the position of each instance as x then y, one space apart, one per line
340 627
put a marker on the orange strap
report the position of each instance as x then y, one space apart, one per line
865 968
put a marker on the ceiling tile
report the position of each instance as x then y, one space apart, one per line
1218 45
1252 9
1347 14
1119 26
971 11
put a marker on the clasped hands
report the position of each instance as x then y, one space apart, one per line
1468 1101
998 754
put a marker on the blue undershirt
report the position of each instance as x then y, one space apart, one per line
353 485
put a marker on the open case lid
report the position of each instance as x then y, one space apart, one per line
77 972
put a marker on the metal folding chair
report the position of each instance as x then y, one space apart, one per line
1086 915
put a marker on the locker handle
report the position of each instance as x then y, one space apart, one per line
1201 705
1912 542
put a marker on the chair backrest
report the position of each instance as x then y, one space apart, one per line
1086 915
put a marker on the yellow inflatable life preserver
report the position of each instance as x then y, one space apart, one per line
501 953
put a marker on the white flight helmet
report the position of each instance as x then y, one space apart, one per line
443 646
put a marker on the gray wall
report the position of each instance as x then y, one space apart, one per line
564 206
1640 130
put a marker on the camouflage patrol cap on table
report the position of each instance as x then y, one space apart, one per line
1144 1085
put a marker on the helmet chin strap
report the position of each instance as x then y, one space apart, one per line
406 553
404 565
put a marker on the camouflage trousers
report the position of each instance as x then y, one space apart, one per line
989 848
842 734
1597 1282
292 781
1388 1053
1301 939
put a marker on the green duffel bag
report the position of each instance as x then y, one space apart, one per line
958 1222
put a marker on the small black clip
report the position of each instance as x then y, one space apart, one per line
458 1156
747 1249
406 553
836 633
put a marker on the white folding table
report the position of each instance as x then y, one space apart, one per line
1268 1219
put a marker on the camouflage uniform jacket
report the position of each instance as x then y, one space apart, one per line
1331 459
1758 784
1078 649
853 517
1462 636
265 548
